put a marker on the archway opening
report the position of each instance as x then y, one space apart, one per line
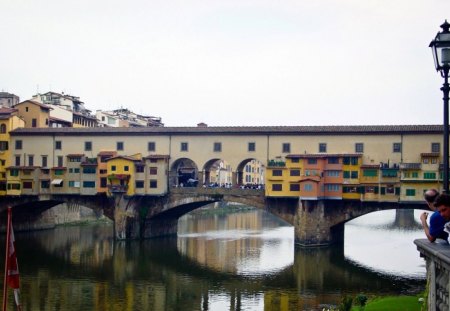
250 173
184 173
217 173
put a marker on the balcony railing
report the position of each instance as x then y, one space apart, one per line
118 188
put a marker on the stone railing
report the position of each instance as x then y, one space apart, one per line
437 256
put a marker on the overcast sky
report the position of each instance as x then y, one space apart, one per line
231 63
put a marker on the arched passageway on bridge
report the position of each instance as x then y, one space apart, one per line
250 172
183 173
216 173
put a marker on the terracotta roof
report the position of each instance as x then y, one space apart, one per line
238 130
430 154
35 103
157 156
75 155
6 110
59 120
123 157
322 155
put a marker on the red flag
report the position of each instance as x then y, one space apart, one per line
13 267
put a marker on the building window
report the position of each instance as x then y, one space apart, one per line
139 184
435 147
397 147
87 146
184 146
295 172
3 128
140 168
322 147
333 160
60 161
113 168
153 170
429 175
332 173
286 148
89 170
120 146
354 174
3 145
217 147
252 146
151 146
126 168
346 174
45 184
58 145
312 161
332 187
88 184
44 161
308 187
295 160
33 122
294 187
153 183
30 160
103 182
17 160
410 192
18 145
370 173
277 187
359 147
277 172
14 173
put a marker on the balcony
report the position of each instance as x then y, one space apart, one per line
118 188
410 166
276 163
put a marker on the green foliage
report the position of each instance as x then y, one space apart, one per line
361 300
346 303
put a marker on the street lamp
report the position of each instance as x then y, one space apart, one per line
440 47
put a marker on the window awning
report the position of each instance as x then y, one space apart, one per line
57 182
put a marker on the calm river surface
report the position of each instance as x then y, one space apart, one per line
240 261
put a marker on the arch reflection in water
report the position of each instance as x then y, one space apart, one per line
383 242
239 261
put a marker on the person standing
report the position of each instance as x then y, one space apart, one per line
437 223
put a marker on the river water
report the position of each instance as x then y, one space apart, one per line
244 260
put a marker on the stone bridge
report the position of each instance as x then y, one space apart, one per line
316 222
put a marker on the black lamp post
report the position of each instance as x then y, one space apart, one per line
440 47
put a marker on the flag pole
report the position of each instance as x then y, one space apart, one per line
5 280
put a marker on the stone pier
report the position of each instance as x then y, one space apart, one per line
314 226
437 257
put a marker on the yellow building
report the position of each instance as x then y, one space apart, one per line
351 167
121 175
9 121
34 114
416 178
277 182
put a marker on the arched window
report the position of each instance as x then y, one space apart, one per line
3 128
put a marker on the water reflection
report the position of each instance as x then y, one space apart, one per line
377 241
242 261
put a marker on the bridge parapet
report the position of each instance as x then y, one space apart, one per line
437 256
